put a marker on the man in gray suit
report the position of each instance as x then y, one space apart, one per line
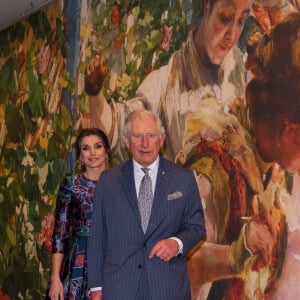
137 241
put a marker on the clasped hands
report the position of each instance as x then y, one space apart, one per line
261 236
256 243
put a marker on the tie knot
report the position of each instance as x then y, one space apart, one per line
145 170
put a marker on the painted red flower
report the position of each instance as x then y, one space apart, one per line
167 37
3 296
45 236
115 14
148 69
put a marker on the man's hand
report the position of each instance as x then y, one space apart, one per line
165 249
96 295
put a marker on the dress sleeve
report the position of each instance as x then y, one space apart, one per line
62 221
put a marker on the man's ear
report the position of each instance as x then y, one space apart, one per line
126 141
162 139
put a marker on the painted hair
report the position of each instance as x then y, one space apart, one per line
277 55
273 95
272 102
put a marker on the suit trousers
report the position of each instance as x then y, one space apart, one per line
143 292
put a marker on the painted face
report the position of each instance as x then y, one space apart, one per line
222 26
283 147
289 148
92 151
144 141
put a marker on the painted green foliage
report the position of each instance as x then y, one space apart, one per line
136 37
36 136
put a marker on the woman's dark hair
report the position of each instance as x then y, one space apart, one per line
92 131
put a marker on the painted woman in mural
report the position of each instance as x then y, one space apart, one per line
73 218
275 126
196 94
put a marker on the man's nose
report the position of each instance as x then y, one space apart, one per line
145 140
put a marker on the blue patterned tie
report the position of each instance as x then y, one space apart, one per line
145 199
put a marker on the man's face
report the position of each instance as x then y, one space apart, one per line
222 26
144 141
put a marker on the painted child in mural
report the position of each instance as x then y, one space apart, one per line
274 101
202 82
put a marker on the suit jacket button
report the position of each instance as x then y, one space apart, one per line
145 245
139 266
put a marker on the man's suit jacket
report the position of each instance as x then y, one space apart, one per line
118 249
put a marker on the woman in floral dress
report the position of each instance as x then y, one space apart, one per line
73 218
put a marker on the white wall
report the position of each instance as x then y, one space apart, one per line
11 11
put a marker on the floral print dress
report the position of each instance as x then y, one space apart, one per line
73 219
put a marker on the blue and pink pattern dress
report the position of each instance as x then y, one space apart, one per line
73 219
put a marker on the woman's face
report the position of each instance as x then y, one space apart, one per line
221 27
92 152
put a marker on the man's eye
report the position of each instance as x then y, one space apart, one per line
137 136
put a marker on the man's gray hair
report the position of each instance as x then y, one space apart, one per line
138 113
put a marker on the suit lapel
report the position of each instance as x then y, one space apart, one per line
128 187
161 180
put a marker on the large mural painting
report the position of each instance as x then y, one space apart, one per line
224 77
190 61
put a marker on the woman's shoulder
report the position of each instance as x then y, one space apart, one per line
71 179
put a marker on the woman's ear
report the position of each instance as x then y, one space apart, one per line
291 134
297 134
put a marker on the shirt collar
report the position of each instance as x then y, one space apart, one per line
153 167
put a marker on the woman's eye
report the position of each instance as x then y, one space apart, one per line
226 19
85 148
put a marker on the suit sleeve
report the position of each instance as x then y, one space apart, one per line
96 239
192 229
